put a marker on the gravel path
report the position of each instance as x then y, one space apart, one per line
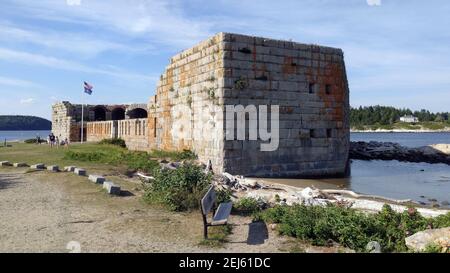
43 212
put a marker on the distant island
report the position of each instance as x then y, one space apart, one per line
24 123
384 118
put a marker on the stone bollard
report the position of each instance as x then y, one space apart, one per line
20 165
97 179
111 188
80 172
69 168
53 168
39 166
5 163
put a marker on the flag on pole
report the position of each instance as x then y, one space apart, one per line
88 88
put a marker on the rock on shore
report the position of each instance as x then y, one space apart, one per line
438 153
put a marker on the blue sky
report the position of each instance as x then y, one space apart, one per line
397 51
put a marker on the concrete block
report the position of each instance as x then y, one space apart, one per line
97 179
5 163
20 165
53 168
39 166
111 188
81 172
69 168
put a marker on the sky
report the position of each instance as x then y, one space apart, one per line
396 51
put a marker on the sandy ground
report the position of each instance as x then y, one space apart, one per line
43 212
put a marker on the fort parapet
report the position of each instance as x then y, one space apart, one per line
307 82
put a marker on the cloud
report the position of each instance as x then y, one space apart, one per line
16 82
374 2
73 2
63 64
27 101
84 43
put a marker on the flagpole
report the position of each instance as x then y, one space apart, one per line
82 118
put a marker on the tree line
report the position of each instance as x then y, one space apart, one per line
385 115
22 123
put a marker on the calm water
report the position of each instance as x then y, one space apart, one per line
392 179
22 135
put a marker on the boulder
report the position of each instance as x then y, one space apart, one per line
39 166
420 240
97 179
53 168
81 172
111 188
69 168
5 163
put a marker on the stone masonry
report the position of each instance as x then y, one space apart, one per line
308 83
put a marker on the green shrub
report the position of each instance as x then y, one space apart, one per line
114 141
180 189
248 205
349 227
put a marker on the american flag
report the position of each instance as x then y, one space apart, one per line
88 88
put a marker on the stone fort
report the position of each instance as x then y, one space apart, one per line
307 82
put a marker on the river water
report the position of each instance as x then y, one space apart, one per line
394 179
22 135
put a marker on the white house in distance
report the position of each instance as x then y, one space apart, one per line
409 119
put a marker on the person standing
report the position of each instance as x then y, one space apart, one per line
52 140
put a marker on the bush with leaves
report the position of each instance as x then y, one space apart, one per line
349 227
248 205
180 189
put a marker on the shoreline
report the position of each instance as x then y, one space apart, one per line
400 131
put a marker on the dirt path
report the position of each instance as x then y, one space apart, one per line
43 212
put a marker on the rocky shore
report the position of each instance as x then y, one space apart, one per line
438 153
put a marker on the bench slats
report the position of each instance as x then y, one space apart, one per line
222 214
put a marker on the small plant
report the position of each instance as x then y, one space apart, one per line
189 101
240 84
211 79
114 141
248 205
172 89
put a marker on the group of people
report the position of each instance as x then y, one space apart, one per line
54 141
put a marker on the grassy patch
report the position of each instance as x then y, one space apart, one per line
350 228
217 236
114 141
173 155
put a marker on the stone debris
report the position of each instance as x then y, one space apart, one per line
5 163
69 168
170 165
420 240
373 247
20 165
53 168
39 166
81 172
111 188
374 150
97 179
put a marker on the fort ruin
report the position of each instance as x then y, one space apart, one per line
308 83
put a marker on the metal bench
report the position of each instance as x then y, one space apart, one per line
220 215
